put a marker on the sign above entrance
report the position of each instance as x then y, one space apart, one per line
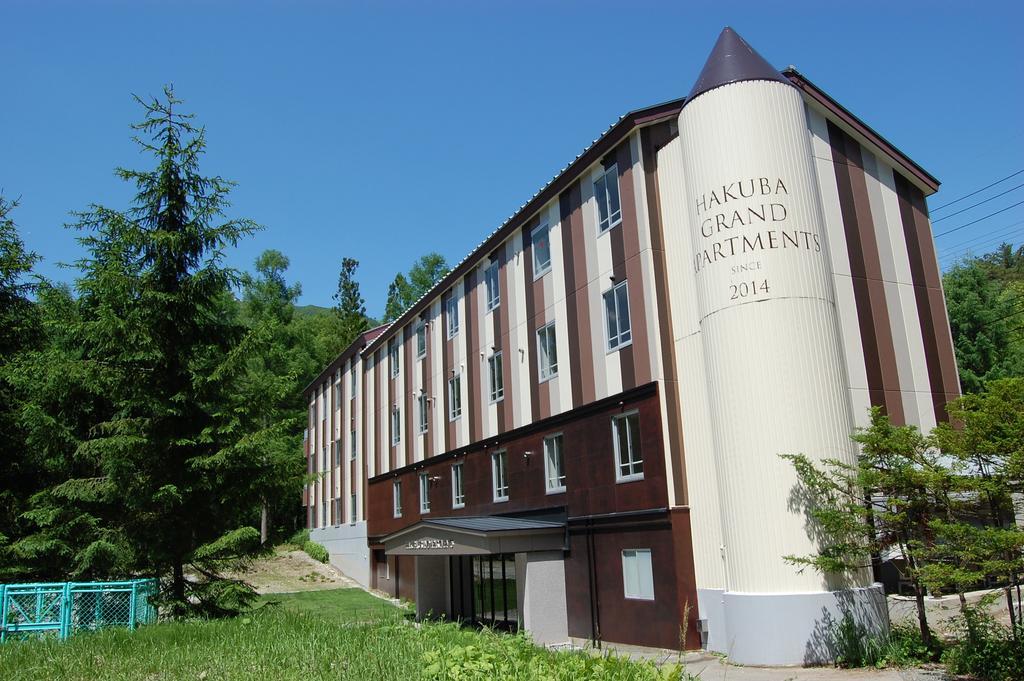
428 543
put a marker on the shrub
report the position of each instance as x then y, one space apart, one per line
985 649
316 551
855 646
904 647
299 538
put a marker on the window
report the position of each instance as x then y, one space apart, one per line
337 394
424 493
626 434
497 380
352 509
454 397
547 352
541 249
493 290
393 357
352 449
499 474
554 464
396 494
616 312
606 192
421 340
336 452
423 414
637 575
336 511
452 315
352 381
396 425
458 491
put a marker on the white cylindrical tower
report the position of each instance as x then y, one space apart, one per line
775 371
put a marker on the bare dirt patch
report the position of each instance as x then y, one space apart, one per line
290 571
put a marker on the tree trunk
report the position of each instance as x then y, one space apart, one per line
178 585
264 523
922 615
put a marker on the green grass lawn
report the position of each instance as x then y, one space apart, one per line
308 636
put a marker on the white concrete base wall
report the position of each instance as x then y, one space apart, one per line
541 579
346 545
787 628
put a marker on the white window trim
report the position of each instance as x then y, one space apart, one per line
541 271
455 489
424 481
421 328
637 597
609 348
394 355
495 302
615 448
396 431
422 404
452 394
547 472
541 378
490 375
498 498
451 313
613 168
396 498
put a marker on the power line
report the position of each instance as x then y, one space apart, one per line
964 210
972 222
978 191
976 242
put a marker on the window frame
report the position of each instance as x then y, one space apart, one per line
548 487
396 425
640 595
423 422
458 485
424 483
492 286
353 381
622 339
613 219
540 269
394 361
496 395
631 438
499 469
546 373
451 315
455 397
421 339
353 445
353 509
396 498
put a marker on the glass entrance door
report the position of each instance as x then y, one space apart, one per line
495 599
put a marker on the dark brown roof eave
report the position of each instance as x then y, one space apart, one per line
926 179
354 347
634 119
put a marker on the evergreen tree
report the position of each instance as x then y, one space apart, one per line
19 331
159 336
351 307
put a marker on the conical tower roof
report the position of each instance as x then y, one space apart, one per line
732 60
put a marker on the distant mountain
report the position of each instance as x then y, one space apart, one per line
310 310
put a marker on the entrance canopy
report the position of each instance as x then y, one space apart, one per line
476 535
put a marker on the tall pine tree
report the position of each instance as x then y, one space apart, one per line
158 334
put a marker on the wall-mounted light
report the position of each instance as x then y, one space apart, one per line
527 454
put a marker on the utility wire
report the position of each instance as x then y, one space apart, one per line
972 222
964 210
978 191
1008 229
984 240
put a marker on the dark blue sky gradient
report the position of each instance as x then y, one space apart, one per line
382 131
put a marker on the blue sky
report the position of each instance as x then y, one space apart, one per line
383 131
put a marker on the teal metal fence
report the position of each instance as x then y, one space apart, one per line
62 608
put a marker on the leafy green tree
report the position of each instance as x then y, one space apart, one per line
351 308
881 505
985 317
159 338
405 290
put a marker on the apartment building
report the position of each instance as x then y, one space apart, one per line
577 430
